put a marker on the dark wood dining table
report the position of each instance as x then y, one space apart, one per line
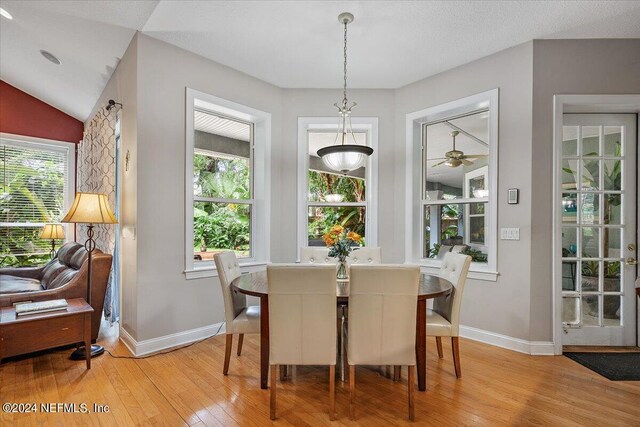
255 284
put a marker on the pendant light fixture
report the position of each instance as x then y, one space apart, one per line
345 157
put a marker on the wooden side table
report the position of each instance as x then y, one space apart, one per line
41 331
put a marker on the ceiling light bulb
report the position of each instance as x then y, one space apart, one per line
5 14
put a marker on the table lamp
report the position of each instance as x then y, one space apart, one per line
52 232
89 208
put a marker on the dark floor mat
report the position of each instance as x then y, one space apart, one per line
614 366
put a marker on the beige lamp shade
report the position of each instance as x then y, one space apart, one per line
90 208
52 232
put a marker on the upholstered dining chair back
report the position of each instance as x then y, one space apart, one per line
365 256
315 255
382 314
455 268
302 314
228 269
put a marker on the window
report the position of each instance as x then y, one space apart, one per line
452 159
36 187
226 182
455 189
327 197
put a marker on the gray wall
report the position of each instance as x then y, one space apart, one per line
167 302
123 87
584 67
502 306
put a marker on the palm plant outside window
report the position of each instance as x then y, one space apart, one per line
222 186
34 182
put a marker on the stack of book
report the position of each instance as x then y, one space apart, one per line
40 307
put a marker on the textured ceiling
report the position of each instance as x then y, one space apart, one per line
391 43
289 44
89 37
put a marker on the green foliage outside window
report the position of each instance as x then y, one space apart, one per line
31 192
218 225
322 218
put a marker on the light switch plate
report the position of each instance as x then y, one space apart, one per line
510 234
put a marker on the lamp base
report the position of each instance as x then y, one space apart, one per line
80 353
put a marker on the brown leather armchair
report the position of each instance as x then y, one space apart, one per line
65 276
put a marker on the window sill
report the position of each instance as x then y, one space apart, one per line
247 267
475 272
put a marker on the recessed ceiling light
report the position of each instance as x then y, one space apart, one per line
50 56
5 13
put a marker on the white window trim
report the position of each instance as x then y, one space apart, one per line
413 169
359 124
260 230
69 149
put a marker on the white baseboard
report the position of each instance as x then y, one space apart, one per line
537 348
140 348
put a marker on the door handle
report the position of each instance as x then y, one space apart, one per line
631 261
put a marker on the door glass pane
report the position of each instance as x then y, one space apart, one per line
590 175
612 281
570 140
590 276
611 310
590 310
569 174
612 209
613 175
612 138
589 208
612 243
571 310
569 275
590 140
569 242
590 242
569 207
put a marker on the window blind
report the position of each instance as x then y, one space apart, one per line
33 180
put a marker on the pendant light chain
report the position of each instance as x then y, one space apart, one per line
344 99
344 157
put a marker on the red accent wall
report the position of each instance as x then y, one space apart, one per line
22 114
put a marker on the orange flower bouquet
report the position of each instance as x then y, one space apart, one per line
340 242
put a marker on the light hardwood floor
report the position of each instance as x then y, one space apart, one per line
186 387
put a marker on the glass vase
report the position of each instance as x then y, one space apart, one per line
342 270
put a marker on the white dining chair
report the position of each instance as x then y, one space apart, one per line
315 255
240 319
365 255
302 321
444 319
382 319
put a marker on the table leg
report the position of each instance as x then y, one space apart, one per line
342 344
87 339
421 344
264 342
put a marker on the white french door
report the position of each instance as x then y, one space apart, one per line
599 229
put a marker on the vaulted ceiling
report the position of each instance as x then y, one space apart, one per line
289 44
